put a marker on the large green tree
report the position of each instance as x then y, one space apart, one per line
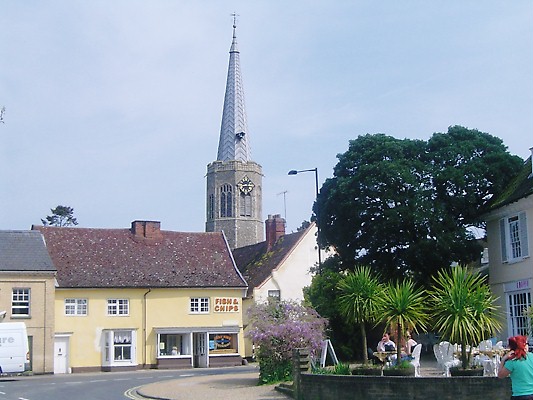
405 207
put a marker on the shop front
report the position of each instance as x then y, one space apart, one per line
198 347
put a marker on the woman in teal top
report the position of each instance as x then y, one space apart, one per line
518 364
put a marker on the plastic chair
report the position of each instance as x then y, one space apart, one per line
448 358
416 359
490 364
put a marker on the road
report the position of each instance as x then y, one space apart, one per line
96 386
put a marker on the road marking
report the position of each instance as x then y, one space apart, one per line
185 375
23 398
132 393
98 380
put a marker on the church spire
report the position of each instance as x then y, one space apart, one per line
233 142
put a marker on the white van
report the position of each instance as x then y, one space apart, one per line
14 349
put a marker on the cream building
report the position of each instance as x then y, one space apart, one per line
27 279
144 298
509 240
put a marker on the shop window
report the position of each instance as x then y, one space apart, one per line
518 302
75 306
173 344
222 343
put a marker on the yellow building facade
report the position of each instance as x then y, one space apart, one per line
109 329
144 298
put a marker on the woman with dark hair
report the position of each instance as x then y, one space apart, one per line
518 364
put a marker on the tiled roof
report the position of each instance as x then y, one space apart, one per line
256 263
112 258
518 188
24 251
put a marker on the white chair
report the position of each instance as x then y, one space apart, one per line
416 359
448 358
490 363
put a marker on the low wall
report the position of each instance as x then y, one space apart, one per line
334 387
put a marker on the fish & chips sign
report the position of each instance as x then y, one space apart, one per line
227 304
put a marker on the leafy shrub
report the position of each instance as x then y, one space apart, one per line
278 327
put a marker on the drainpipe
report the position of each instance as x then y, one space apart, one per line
144 327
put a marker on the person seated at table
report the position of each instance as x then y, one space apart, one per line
409 345
386 344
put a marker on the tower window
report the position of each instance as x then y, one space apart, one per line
226 201
211 207
246 205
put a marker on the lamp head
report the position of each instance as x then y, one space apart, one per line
292 172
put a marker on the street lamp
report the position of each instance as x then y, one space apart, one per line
315 170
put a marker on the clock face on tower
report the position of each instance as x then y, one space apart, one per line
245 185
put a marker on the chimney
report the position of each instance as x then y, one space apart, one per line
146 229
275 228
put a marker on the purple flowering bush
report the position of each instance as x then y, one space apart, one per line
278 327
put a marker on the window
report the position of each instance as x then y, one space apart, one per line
119 346
211 207
246 205
199 305
226 201
75 306
514 240
118 307
275 294
174 344
518 303
20 303
222 343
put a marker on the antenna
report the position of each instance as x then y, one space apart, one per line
2 112
284 203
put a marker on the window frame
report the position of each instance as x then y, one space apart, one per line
80 307
514 243
518 322
118 306
20 303
199 305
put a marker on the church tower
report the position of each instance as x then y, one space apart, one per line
234 181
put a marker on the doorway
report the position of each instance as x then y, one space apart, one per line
200 356
61 346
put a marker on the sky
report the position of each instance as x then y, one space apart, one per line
113 107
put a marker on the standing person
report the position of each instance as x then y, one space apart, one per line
386 344
518 365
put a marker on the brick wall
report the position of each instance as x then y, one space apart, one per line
334 387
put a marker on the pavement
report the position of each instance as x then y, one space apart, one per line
242 384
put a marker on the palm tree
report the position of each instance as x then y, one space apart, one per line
404 306
464 308
359 300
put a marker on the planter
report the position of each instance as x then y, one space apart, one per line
367 371
409 371
458 371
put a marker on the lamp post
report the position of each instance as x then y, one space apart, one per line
315 170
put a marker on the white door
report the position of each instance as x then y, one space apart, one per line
61 355
200 350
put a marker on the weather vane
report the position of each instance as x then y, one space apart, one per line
234 15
